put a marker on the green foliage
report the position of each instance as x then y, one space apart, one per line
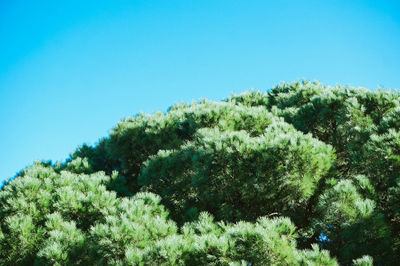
50 218
266 242
284 172
381 160
232 175
362 126
252 98
363 261
64 243
135 139
352 222
67 218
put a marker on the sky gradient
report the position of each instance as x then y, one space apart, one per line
69 70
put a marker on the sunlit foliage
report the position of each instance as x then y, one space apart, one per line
303 174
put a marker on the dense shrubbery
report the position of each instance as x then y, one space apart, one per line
303 174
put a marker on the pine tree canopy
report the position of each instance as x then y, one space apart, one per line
302 174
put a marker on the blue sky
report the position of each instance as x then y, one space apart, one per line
69 70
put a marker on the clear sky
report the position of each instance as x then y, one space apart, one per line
69 70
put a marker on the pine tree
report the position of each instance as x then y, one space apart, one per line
303 174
